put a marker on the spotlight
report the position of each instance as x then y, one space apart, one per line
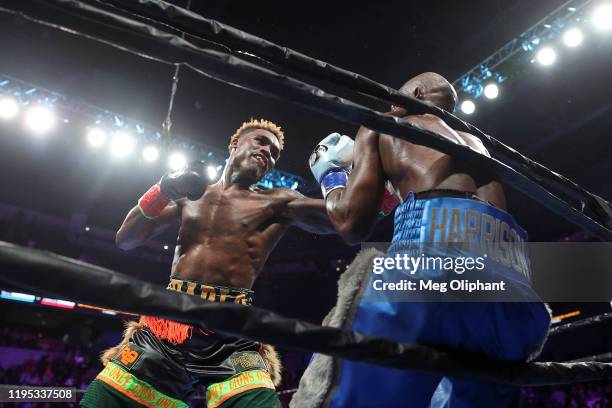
491 91
39 119
468 107
572 37
122 144
166 247
177 161
212 172
546 56
96 137
150 153
8 108
602 17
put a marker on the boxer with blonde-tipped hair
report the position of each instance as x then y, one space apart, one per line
228 230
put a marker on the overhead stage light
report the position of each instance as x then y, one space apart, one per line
122 144
546 56
573 37
96 137
468 107
177 161
9 108
602 16
491 91
150 153
39 119
212 172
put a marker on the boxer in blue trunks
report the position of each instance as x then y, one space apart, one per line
449 208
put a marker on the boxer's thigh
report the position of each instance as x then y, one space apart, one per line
255 398
141 372
508 331
461 393
369 386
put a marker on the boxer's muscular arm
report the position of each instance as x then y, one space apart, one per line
353 210
137 229
307 213
162 204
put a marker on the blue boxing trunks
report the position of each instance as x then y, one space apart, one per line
454 303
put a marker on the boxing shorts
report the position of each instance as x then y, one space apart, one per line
160 363
510 326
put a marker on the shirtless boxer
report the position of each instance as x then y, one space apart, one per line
444 200
227 232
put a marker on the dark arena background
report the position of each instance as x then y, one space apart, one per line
86 128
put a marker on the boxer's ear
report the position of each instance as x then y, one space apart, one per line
418 92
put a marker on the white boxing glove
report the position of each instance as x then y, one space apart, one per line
331 162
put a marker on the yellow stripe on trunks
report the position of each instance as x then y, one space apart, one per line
138 390
217 393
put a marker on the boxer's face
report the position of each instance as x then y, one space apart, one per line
256 153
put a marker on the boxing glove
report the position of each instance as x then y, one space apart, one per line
187 182
183 183
331 162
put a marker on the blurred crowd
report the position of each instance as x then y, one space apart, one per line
24 338
590 395
67 365
69 369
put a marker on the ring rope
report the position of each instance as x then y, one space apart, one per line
605 317
52 275
201 27
604 357
235 71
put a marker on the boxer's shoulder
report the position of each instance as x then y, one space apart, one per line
474 142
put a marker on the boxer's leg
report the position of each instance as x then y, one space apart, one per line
515 332
140 374
476 394
255 398
370 386
367 385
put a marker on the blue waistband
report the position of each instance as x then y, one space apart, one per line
445 220
462 227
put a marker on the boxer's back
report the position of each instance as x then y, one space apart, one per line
418 168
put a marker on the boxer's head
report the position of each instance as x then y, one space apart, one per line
254 149
431 88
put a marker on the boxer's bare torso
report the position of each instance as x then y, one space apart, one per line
418 168
409 167
227 234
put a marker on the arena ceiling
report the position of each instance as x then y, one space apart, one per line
559 116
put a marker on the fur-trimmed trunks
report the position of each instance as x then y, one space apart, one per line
160 363
509 330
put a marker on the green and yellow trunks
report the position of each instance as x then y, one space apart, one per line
161 363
